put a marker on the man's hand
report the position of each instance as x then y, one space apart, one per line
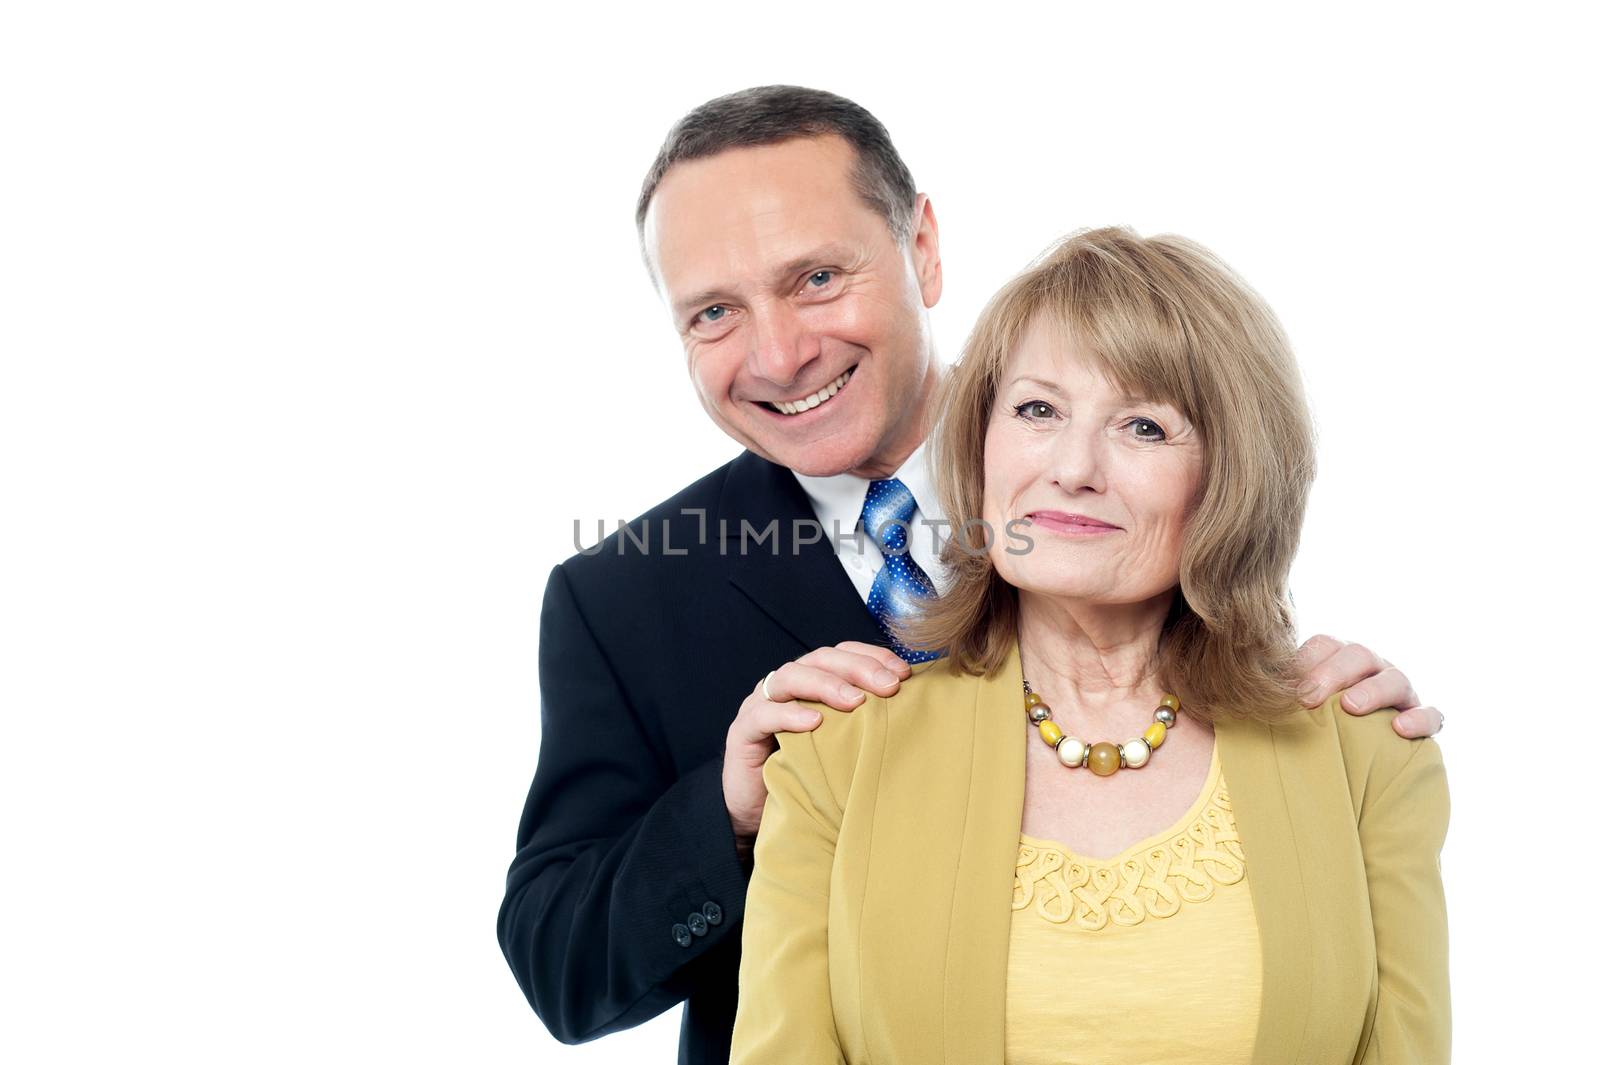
832 675
1327 665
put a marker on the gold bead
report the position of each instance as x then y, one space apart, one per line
1155 734
1051 732
1104 759
1030 700
1170 701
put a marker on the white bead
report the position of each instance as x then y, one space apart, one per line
1136 753
1072 751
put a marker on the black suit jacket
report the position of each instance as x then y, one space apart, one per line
626 895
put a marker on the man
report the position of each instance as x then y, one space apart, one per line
799 263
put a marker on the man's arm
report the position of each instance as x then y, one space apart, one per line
613 855
616 861
1328 665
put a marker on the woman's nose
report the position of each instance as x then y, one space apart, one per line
1077 461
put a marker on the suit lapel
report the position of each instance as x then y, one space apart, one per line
980 915
940 818
801 587
1307 882
1263 808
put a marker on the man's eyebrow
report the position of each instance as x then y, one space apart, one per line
699 299
825 255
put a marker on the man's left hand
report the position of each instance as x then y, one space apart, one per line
1370 682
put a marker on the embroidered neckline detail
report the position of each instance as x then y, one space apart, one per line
1187 863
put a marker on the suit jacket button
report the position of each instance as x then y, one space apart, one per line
697 924
680 933
713 912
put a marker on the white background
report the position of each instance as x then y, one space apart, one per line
323 321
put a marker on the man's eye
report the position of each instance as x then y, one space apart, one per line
714 314
1034 408
820 278
1153 432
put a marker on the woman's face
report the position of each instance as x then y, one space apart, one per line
1106 479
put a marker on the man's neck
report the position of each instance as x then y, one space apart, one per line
889 458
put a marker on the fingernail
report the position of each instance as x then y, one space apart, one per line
1356 701
884 678
848 693
1307 689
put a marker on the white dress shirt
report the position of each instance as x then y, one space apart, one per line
837 501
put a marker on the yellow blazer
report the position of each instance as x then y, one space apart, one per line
877 924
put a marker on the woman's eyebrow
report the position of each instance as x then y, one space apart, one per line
1049 386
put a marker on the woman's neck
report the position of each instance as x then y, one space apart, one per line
1091 662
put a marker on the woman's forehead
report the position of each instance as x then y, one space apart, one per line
1047 354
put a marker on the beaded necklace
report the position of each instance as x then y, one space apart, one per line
1102 758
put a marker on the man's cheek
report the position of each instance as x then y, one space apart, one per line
848 319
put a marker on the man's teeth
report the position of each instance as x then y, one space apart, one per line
816 398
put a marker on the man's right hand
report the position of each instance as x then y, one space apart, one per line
837 676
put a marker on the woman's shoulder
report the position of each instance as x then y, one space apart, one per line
1374 754
932 689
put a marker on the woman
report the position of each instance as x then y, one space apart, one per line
1100 829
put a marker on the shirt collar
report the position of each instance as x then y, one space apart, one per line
840 497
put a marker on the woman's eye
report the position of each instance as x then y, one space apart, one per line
1145 429
1035 408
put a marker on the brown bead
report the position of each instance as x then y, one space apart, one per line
1104 759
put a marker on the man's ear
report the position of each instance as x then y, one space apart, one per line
925 250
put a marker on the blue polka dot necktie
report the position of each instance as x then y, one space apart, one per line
901 586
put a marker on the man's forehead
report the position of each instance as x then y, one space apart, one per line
740 215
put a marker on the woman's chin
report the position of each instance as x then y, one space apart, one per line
1065 592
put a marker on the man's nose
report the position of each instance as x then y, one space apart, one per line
781 347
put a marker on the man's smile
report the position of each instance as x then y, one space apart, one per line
791 408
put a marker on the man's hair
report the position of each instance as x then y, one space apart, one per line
771 114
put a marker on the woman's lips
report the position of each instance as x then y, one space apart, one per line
1058 521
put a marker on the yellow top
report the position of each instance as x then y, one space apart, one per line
877 927
1148 955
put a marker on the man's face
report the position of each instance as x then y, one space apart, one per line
803 319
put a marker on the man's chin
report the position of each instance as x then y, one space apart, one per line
813 458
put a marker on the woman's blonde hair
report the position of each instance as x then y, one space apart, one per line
1163 318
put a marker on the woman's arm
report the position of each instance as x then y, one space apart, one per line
1402 828
785 1006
